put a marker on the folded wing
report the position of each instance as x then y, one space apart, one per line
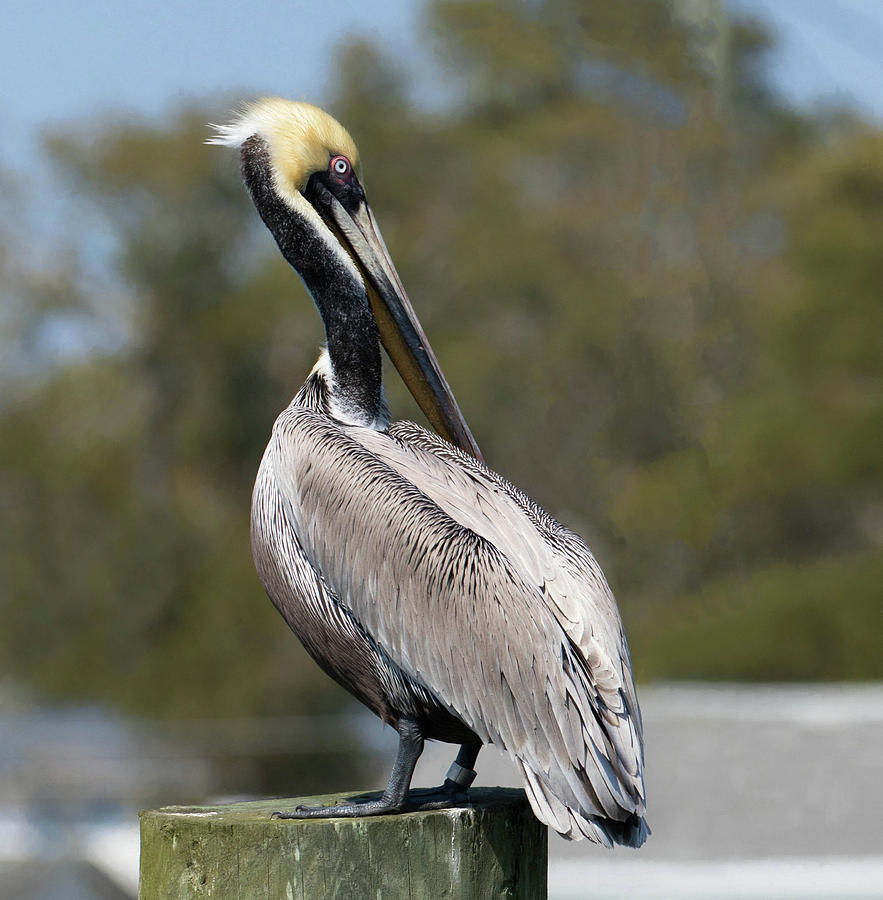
501 612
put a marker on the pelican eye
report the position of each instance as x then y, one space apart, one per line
340 166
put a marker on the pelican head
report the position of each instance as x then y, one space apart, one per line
303 172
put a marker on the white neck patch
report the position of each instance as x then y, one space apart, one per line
338 408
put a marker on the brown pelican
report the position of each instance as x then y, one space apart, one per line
427 585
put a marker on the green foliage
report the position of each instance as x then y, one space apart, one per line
819 620
655 294
126 536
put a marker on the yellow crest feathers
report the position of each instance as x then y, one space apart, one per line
301 138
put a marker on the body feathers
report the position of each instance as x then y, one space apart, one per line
428 585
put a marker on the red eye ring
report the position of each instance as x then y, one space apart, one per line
340 166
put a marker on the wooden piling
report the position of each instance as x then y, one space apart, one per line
492 848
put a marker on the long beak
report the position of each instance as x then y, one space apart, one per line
400 330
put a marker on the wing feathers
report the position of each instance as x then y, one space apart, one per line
457 582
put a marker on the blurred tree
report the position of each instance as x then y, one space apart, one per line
128 548
655 296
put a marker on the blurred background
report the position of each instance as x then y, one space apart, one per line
646 240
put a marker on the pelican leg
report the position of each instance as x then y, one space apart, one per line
455 790
394 798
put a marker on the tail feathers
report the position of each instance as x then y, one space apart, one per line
630 833
576 824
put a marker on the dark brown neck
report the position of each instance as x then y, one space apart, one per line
336 288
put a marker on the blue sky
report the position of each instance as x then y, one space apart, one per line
61 60
829 51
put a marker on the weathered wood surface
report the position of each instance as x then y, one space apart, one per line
493 849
